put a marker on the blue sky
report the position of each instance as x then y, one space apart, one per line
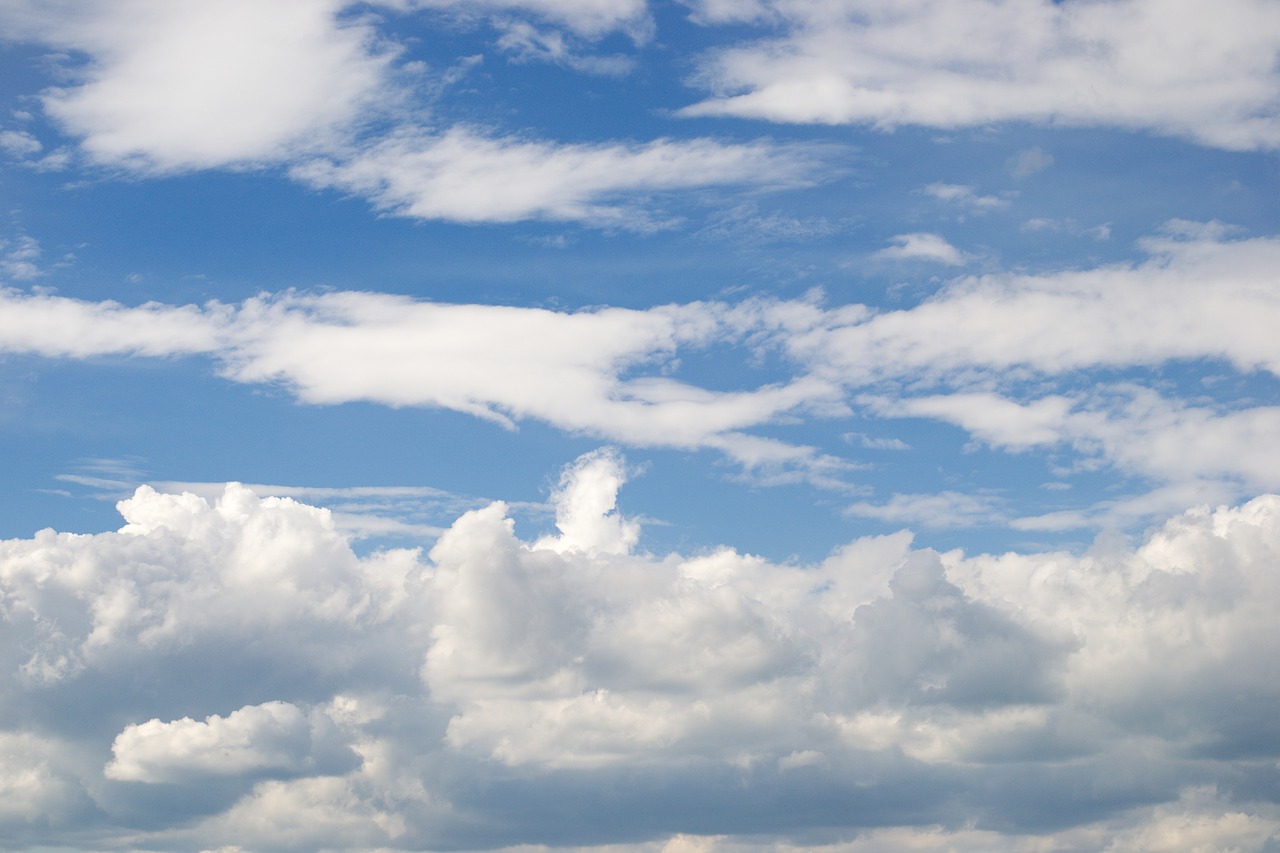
625 425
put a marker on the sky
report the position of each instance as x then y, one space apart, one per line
640 425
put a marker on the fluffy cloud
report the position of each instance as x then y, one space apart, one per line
1137 64
271 737
180 85
467 698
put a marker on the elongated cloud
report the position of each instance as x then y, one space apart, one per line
966 353
962 356
1197 295
466 176
1134 64
400 700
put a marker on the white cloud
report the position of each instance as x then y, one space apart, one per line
495 362
945 509
1134 64
586 508
179 85
1128 426
497 682
964 196
998 421
175 87
58 327
274 736
18 258
925 247
465 175
19 143
615 373
1196 296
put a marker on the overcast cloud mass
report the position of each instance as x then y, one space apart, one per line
615 425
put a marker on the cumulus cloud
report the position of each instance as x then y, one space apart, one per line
1134 64
271 737
585 508
177 86
477 696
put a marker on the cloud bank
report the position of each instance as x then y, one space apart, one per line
499 690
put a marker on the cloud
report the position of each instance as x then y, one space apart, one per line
587 18
464 175
475 697
585 504
1133 64
319 89
19 143
601 372
273 737
962 356
58 327
1029 161
964 196
1196 296
924 247
189 86
18 258
946 509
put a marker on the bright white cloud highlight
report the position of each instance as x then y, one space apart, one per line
1134 64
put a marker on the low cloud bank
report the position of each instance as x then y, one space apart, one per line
236 656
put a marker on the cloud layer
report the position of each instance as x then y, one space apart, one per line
490 691
1019 362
